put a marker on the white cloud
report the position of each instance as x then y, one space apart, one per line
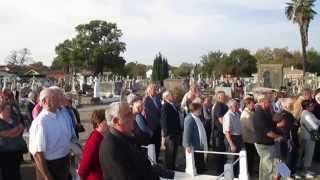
182 29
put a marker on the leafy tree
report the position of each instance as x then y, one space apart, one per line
241 63
20 57
274 56
183 70
211 62
302 13
314 61
133 69
96 46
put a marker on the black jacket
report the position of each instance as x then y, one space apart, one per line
262 124
152 112
121 159
170 120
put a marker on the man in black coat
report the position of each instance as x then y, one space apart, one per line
120 157
152 109
170 124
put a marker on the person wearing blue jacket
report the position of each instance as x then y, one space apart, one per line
194 136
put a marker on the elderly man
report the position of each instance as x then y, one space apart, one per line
170 124
219 110
232 131
50 139
265 137
152 109
188 98
120 157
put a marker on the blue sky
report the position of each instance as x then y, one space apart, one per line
183 30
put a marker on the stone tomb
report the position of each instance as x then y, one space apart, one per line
270 75
172 84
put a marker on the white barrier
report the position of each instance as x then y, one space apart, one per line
152 152
243 165
243 174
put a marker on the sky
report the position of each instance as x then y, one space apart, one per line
182 30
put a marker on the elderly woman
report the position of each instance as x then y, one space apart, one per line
194 135
90 168
308 122
247 132
11 143
142 131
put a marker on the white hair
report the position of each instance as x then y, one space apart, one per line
44 94
113 111
166 94
232 103
31 95
131 98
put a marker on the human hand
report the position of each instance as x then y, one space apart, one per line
189 149
233 148
278 139
48 177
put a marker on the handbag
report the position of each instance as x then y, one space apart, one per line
315 134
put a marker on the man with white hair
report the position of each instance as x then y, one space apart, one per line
265 137
120 157
50 139
232 131
171 129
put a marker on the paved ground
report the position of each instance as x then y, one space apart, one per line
85 113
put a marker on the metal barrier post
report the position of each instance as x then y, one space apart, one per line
228 172
190 163
152 152
243 174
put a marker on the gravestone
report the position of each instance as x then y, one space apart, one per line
270 75
172 84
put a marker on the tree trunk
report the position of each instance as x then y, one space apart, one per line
304 51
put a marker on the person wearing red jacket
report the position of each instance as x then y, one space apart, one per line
90 168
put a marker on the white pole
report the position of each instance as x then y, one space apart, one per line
152 152
228 172
190 163
243 175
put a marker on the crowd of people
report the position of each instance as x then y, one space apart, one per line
272 127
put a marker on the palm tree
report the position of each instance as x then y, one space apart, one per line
301 12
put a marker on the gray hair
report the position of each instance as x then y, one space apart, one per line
232 103
44 94
32 95
112 112
131 98
166 94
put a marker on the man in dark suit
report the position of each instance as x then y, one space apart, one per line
152 109
170 124
120 157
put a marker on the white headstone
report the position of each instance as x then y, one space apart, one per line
96 88
4 84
